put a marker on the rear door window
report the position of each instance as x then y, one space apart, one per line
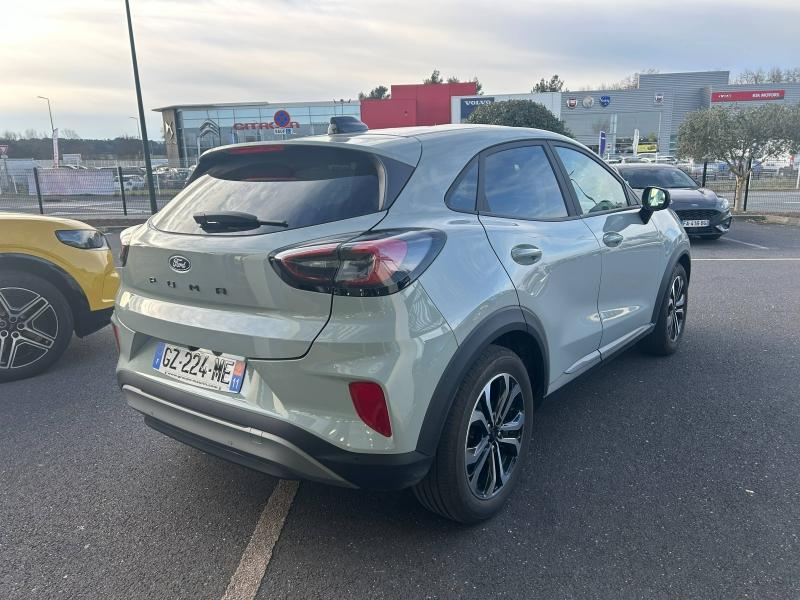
300 185
520 183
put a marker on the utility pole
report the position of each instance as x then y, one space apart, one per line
145 143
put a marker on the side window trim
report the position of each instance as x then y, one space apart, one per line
475 160
565 192
563 170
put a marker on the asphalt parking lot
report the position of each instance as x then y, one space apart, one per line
648 478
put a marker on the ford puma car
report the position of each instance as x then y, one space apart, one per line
701 211
57 278
384 309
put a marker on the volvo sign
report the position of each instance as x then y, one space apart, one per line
468 105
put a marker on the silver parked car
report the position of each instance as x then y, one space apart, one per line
384 309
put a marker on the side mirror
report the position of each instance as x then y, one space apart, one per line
653 199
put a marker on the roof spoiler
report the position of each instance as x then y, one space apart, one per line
346 124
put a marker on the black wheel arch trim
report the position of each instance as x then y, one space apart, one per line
681 254
501 322
86 320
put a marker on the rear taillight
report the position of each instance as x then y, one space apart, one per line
374 264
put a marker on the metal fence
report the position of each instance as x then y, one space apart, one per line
107 192
768 190
104 192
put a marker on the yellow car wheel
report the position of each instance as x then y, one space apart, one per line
36 325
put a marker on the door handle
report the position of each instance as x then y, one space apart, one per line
525 254
612 239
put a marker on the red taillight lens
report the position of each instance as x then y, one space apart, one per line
370 405
255 149
374 264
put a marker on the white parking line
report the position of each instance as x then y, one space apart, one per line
744 259
247 579
728 239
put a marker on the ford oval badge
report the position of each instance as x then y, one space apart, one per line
179 263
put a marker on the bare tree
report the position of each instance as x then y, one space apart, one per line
631 82
773 75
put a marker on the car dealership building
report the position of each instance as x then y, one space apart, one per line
656 108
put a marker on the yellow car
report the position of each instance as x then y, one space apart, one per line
57 277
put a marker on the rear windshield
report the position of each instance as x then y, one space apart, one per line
664 177
299 185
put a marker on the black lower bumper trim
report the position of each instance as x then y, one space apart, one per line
92 320
371 471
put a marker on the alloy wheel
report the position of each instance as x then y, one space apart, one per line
494 436
676 308
28 327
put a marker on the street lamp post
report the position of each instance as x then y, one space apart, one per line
138 129
49 111
145 144
52 131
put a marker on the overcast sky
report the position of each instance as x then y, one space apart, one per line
194 51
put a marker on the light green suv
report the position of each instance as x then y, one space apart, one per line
384 309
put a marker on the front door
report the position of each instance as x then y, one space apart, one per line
549 253
632 251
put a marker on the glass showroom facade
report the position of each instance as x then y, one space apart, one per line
193 129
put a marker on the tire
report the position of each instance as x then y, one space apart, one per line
665 339
36 324
448 489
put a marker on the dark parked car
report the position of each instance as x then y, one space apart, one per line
702 212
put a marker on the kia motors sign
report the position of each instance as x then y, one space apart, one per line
748 96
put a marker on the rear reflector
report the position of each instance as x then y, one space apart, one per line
370 405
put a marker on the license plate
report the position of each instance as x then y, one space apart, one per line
221 372
696 223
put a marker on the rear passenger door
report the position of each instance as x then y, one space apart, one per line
549 253
632 251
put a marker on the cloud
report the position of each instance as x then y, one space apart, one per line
194 51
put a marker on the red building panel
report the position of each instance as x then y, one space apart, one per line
416 104
379 114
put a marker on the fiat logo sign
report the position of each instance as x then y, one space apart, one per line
179 263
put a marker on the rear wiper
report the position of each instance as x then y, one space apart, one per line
230 220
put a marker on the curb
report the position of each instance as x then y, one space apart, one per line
768 218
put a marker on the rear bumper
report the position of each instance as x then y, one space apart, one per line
263 443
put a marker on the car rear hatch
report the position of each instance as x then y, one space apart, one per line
212 286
